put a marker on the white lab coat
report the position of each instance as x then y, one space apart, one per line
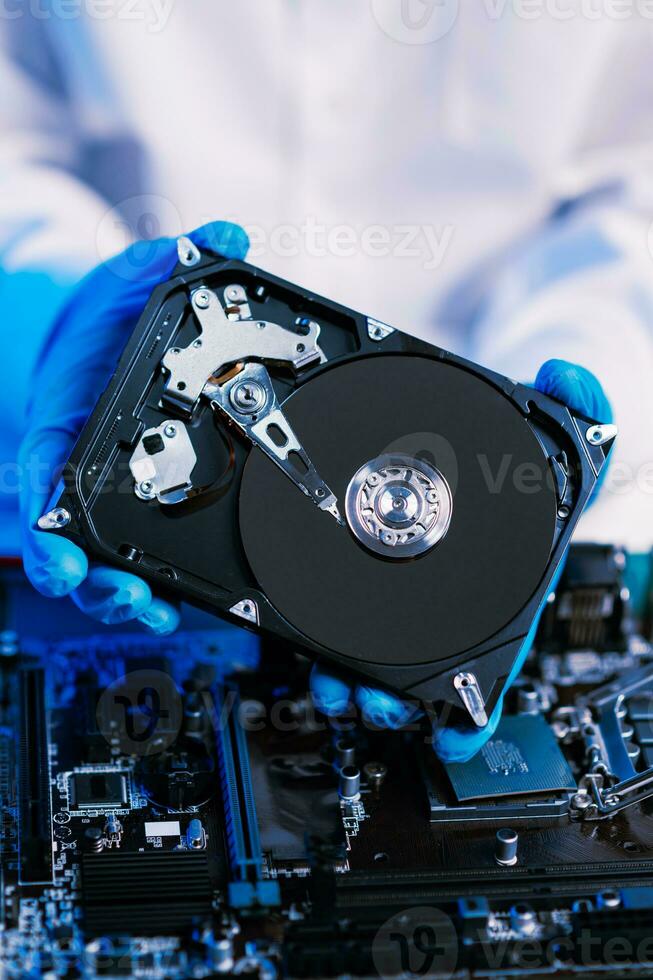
407 174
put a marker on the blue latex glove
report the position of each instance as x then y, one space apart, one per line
580 390
75 365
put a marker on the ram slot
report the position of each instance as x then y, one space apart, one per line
241 824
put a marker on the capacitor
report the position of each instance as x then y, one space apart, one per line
375 773
349 784
222 956
609 899
528 700
505 848
195 834
345 753
8 643
523 919
193 713
112 827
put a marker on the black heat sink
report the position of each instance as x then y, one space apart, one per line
145 893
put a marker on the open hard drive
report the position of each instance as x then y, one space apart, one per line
318 475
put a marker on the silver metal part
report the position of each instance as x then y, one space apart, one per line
376 330
271 431
345 753
505 847
470 694
248 397
224 342
235 299
610 800
188 252
598 435
163 462
349 783
375 773
247 609
57 517
611 783
398 506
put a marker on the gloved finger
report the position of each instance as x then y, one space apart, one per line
160 617
580 390
222 237
72 371
576 387
458 743
54 565
331 695
112 596
385 710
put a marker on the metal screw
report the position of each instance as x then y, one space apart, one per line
146 488
202 299
188 252
235 293
170 430
248 397
57 517
581 801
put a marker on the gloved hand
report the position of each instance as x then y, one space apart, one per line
75 365
580 390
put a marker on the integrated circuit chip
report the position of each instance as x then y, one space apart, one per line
522 757
98 789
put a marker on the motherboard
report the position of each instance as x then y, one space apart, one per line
178 807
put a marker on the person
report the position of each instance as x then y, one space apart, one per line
466 177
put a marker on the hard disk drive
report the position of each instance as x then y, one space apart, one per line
313 473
